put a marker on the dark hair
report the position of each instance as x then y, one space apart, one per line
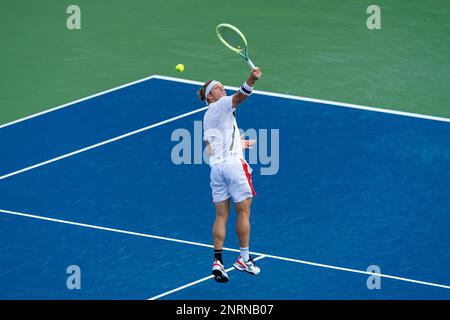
201 92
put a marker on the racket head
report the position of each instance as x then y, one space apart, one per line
233 39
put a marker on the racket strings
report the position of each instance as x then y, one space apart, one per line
232 38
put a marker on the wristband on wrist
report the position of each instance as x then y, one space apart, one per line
246 89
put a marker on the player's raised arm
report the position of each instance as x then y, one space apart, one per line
247 87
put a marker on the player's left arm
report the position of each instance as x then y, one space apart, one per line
208 148
239 96
246 144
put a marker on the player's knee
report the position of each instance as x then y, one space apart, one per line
221 219
222 214
245 212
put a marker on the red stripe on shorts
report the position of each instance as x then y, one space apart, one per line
248 175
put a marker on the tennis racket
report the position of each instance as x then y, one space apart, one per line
234 39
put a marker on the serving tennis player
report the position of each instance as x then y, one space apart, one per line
230 173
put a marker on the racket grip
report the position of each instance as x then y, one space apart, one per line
250 64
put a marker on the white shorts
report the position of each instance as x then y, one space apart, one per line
231 180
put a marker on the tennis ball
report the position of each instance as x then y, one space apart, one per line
179 67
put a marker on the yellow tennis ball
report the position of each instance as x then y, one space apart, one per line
179 67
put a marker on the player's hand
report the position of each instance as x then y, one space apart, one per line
256 73
247 144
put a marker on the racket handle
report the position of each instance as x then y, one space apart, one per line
250 64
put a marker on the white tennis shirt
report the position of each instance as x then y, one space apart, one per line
221 131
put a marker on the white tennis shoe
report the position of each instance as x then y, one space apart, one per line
247 266
220 275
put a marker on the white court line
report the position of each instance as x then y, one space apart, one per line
76 101
192 112
194 282
329 102
111 229
280 95
227 249
100 144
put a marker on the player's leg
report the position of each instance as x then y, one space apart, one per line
242 192
219 233
244 261
243 222
220 224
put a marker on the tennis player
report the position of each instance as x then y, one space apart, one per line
230 173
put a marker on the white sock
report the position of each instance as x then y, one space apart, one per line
244 254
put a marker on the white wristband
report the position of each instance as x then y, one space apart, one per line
246 89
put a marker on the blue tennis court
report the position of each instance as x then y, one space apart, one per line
93 184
